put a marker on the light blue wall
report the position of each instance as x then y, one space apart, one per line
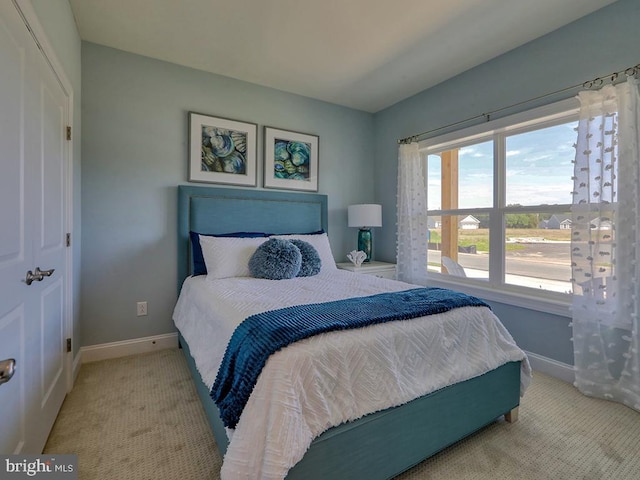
595 45
57 20
134 149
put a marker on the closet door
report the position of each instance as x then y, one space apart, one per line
33 153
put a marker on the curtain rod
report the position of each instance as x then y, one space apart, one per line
595 83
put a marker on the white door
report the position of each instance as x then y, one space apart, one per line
33 182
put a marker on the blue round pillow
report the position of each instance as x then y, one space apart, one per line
311 263
276 259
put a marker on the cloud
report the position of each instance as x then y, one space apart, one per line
554 192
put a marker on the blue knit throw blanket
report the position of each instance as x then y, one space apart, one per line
263 334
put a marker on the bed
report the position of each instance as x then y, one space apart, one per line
378 445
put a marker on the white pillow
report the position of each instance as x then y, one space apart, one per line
320 242
228 256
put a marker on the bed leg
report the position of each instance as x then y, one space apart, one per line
511 416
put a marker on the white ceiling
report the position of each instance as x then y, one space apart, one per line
365 54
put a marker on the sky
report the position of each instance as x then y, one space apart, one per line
539 170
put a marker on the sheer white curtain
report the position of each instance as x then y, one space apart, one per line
606 244
412 216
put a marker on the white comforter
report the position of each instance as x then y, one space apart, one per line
334 377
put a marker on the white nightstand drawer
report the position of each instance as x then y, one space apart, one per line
391 274
377 269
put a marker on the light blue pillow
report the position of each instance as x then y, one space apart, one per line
311 263
276 259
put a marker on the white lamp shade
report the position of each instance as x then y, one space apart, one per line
365 215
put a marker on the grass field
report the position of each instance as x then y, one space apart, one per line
480 237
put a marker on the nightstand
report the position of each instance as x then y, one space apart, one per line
377 269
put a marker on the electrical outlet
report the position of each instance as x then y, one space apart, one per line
142 309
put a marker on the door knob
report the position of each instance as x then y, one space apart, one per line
7 369
32 277
38 275
44 273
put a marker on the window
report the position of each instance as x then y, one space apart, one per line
499 200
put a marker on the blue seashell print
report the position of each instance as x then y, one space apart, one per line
289 167
222 145
209 162
239 141
280 151
234 163
223 150
297 176
291 159
300 152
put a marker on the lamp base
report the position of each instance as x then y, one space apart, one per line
364 242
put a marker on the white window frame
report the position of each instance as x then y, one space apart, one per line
497 130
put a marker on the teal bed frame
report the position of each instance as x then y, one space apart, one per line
380 445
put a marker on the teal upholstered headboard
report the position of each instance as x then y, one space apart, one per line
227 210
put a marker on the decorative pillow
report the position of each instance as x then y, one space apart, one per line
199 267
321 243
276 259
311 262
228 256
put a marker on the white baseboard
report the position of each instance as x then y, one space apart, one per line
104 351
551 367
77 361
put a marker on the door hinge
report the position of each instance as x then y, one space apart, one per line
68 345
68 240
68 133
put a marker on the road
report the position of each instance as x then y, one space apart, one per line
550 261
522 271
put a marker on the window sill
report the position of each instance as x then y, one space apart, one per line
553 304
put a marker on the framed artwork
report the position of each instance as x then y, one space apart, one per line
222 150
290 160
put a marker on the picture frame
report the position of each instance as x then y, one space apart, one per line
222 150
291 160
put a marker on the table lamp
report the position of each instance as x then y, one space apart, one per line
364 217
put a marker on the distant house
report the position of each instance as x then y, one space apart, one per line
434 222
469 223
600 224
555 222
565 224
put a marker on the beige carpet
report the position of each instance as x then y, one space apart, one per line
139 418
